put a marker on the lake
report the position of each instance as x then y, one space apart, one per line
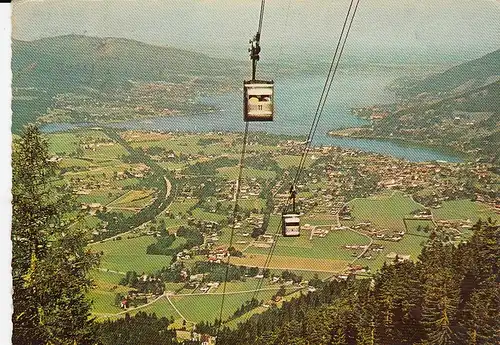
296 98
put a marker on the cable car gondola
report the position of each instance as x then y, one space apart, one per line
291 221
290 225
258 100
259 106
258 95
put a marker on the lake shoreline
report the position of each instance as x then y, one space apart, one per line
354 132
293 116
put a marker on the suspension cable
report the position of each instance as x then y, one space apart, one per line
328 84
259 284
254 54
261 17
319 111
235 217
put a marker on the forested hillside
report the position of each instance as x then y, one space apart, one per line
457 109
76 78
466 76
467 122
70 61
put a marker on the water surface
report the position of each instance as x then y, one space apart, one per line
297 99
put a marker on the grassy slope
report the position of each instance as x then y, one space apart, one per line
477 70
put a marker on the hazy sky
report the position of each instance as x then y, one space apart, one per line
382 28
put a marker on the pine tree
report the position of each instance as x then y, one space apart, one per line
441 295
49 260
317 327
384 299
480 296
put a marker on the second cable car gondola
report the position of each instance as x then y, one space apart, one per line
290 222
258 103
290 225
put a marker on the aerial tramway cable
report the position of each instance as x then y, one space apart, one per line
235 215
319 111
254 55
329 81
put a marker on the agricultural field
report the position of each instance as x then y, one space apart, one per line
412 226
161 308
172 166
63 143
105 152
387 212
69 162
203 307
411 244
134 199
234 322
320 219
296 264
129 254
104 291
100 196
464 209
329 247
182 205
172 224
224 239
197 308
290 161
188 144
384 211
248 204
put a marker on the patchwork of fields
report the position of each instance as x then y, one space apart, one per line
106 177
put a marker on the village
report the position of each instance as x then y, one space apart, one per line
180 252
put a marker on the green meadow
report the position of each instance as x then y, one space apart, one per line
383 211
464 209
207 307
329 247
129 254
63 143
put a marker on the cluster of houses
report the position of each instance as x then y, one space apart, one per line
400 257
137 171
374 113
440 177
93 207
203 339
217 255
92 146
85 186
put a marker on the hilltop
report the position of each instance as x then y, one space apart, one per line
464 77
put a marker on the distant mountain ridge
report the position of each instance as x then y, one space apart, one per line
73 60
464 77
110 70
